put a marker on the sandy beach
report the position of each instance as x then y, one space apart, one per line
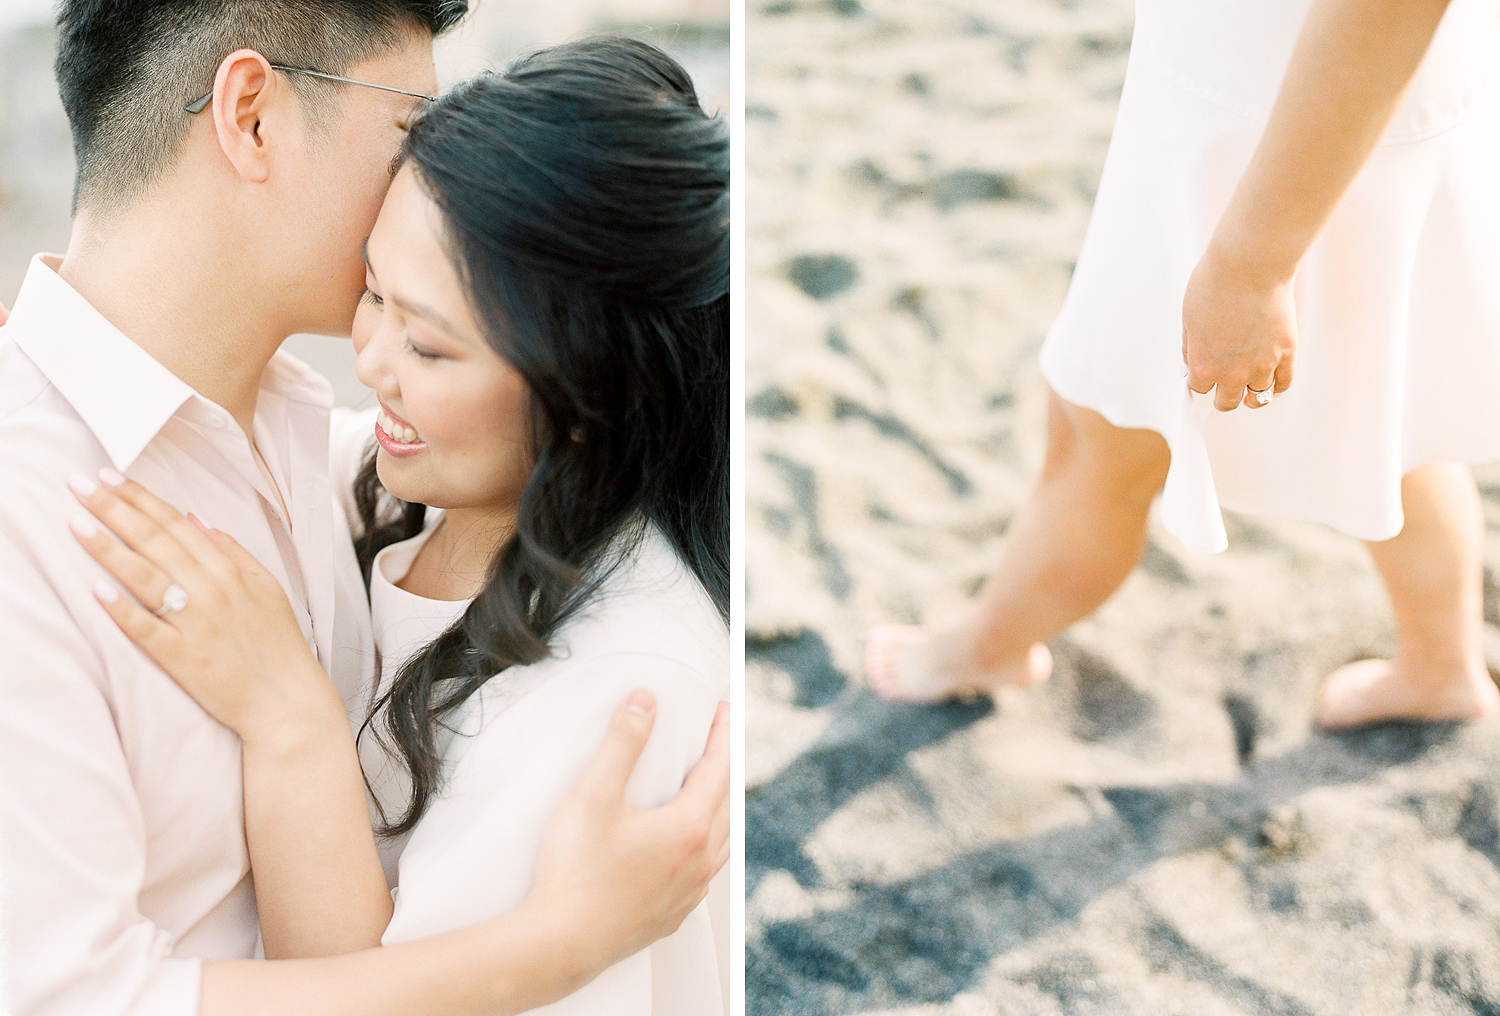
1159 829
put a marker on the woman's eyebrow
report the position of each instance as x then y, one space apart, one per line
421 310
364 252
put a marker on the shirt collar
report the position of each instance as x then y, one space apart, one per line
292 379
121 392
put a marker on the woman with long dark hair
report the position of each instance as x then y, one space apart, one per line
546 329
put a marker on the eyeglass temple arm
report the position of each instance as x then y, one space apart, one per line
199 105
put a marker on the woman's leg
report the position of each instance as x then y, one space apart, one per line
1069 547
1433 572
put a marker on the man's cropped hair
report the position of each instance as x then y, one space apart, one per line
127 68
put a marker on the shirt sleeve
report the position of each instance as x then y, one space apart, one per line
350 434
473 854
71 827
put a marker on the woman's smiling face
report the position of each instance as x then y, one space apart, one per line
455 428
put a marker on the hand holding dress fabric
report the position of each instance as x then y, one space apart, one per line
1239 332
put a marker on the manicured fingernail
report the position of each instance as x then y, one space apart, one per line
640 701
105 591
110 477
84 526
81 485
200 523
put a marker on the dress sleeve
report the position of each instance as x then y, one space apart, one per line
72 833
350 434
473 854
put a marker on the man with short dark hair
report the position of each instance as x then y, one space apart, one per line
232 155
126 71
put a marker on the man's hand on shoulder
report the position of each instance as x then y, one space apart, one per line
615 877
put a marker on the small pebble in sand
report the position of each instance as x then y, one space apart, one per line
1280 832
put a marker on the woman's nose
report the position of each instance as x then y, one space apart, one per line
370 362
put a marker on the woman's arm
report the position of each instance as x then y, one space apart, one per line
1347 75
237 649
319 886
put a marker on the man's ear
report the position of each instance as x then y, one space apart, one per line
245 90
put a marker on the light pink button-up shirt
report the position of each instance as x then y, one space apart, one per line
121 818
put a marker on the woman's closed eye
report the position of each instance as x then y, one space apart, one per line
425 354
375 299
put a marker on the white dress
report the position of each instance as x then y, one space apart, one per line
519 743
1397 301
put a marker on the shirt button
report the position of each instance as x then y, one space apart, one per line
217 422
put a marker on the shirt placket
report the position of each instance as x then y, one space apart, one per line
230 442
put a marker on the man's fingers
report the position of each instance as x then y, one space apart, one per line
629 729
722 857
718 831
707 786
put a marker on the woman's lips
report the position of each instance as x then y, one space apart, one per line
396 436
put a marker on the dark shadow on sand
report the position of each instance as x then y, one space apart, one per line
928 938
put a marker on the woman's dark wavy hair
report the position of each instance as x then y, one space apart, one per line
586 202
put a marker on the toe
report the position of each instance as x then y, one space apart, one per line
880 645
887 671
1038 664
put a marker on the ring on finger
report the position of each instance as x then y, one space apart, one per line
173 600
1265 395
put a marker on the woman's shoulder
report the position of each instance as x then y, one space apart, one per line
649 604
649 623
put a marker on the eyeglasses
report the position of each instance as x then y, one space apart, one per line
200 105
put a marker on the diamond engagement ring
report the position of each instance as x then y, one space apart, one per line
173 600
1263 397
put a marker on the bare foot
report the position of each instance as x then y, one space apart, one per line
1374 691
904 663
